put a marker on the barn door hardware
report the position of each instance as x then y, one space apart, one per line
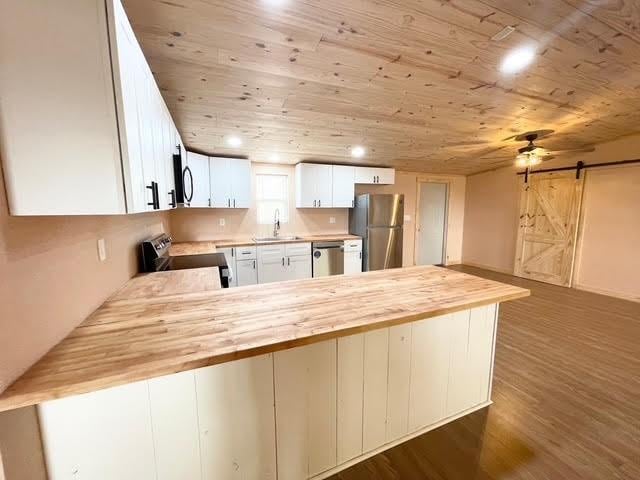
579 166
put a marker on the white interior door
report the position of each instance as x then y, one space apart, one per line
431 227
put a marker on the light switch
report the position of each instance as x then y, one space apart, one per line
332 219
222 222
102 250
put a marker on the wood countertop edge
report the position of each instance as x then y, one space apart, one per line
9 401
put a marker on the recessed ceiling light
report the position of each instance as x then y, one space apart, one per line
234 141
358 151
275 3
518 59
274 157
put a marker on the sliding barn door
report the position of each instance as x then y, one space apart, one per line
549 212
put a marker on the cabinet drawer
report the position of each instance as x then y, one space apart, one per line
246 253
292 249
353 245
265 251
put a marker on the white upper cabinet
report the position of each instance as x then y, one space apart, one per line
343 188
90 133
230 182
314 185
199 166
375 175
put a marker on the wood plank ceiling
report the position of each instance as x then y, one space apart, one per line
417 82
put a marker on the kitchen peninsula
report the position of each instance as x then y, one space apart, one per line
331 370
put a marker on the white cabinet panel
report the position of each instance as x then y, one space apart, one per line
99 436
305 386
375 388
220 182
375 175
294 249
199 165
313 185
430 352
240 173
246 272
236 417
230 257
472 342
399 378
271 263
343 186
352 262
350 396
298 267
174 416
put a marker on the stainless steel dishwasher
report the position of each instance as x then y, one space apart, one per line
328 258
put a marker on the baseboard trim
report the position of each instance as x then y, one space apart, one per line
386 446
608 293
487 267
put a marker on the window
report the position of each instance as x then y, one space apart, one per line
272 192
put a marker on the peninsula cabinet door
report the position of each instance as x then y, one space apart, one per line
103 435
236 420
305 386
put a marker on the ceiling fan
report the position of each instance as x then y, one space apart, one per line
532 154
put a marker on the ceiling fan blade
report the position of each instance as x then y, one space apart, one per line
564 151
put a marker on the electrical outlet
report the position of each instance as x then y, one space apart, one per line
407 218
222 222
332 219
102 250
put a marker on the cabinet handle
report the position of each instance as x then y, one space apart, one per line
234 203
352 205
360 255
283 261
172 202
254 264
233 251
209 202
288 261
314 203
229 202
184 183
319 203
155 200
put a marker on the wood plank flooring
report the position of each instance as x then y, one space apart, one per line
566 398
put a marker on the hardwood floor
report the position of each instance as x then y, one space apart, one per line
566 397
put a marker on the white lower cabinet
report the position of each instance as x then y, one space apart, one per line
281 262
305 412
352 256
305 386
236 420
246 272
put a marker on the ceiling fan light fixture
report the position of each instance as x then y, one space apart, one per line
527 160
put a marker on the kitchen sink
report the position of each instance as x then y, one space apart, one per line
276 239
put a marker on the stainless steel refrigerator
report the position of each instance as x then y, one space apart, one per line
378 220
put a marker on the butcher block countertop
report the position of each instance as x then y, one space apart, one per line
144 331
209 246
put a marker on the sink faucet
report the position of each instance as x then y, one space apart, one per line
276 222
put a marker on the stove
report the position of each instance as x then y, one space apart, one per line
155 258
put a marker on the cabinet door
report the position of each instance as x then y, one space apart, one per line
306 186
399 378
101 435
343 186
375 388
305 387
352 262
199 165
230 257
271 264
236 419
365 175
430 351
298 267
324 190
246 273
472 341
220 182
174 417
240 171
350 397
385 175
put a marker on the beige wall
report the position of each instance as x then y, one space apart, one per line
204 223
51 278
607 259
407 184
